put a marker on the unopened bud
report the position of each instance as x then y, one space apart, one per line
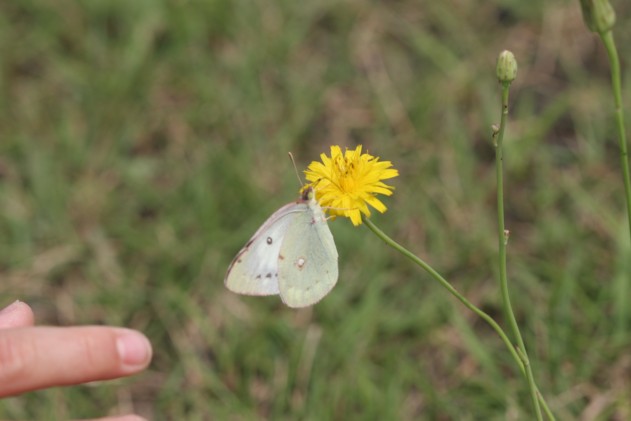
598 15
506 67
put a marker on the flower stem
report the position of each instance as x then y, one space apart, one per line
503 234
442 281
614 62
447 286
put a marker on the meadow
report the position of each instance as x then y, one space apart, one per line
143 142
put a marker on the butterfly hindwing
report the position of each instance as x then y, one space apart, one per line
307 268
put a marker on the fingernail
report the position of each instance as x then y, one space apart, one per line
10 308
133 348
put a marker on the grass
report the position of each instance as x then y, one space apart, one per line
142 143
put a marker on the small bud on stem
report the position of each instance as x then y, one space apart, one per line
598 15
506 67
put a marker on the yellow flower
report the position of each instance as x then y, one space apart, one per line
346 183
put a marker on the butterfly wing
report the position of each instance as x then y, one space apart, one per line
254 270
307 268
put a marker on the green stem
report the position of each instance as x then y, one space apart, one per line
616 84
447 286
503 240
511 349
607 38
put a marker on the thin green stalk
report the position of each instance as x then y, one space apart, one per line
502 241
448 287
616 85
514 353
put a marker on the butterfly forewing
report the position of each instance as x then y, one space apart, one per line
254 271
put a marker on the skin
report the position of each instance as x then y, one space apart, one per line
34 357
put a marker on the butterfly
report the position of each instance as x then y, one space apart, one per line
292 254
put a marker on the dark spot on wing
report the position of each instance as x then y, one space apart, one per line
258 276
269 275
269 240
281 257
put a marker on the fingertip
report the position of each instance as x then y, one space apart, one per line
130 417
134 349
16 314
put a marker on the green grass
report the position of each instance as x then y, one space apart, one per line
142 143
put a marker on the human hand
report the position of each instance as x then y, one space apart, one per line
34 357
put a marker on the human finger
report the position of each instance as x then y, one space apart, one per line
121 418
37 357
16 314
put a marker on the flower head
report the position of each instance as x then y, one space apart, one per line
346 183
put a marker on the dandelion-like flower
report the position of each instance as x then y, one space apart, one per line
346 183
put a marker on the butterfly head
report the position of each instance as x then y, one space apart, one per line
307 193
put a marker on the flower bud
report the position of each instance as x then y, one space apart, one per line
598 15
506 67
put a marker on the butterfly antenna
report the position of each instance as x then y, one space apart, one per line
291 156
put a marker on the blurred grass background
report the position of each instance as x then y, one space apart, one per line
143 142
